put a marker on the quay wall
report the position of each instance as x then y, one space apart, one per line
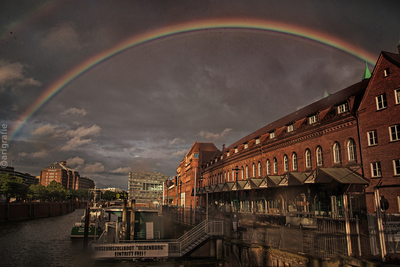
32 210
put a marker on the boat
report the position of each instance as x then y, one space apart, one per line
97 220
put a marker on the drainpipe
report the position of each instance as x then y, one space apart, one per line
359 144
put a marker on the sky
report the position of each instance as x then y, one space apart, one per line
118 86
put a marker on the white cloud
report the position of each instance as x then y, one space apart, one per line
45 129
177 141
78 135
75 161
62 37
39 154
75 111
93 168
13 74
23 154
180 153
214 136
122 170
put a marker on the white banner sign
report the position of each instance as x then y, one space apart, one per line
137 250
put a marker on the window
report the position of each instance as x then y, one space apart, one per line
396 166
397 95
308 159
254 170
386 72
351 150
372 138
343 108
242 173
319 156
227 154
376 169
275 166
257 141
236 150
381 102
336 152
290 128
271 135
259 169
395 132
285 163
313 119
294 162
246 146
228 178
222 157
247 171
268 166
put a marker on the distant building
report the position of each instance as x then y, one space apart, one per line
26 177
146 186
112 189
84 183
62 174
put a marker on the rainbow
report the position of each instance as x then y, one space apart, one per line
254 24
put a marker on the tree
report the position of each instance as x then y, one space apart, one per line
109 195
12 186
38 192
56 191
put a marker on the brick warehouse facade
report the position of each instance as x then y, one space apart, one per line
316 158
64 175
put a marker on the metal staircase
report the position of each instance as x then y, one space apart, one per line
195 237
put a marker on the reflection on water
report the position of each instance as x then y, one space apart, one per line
46 242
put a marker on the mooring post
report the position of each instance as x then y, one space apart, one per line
124 224
132 222
86 229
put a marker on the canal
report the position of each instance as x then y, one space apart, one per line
47 242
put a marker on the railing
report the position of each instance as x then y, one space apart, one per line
194 237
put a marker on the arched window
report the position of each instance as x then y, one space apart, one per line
259 169
247 172
351 150
268 167
308 159
336 153
294 162
228 180
319 156
285 163
242 173
233 176
254 170
275 166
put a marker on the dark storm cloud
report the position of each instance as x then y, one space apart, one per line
144 108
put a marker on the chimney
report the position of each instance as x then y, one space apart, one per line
223 147
63 162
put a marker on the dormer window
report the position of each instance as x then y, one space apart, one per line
343 108
271 135
227 154
257 140
386 72
290 128
313 119
222 157
246 145
216 160
236 150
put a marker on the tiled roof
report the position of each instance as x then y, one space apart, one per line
299 115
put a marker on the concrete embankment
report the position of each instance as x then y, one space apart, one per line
32 210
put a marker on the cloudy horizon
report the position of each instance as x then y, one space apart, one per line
143 108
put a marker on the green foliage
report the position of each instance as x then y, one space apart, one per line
12 186
109 195
38 192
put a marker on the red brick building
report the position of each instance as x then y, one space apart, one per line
62 174
379 123
316 159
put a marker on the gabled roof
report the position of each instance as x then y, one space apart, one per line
392 57
341 175
312 109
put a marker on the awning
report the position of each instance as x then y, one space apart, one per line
253 184
239 184
227 187
341 175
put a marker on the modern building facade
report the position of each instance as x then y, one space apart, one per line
64 175
320 159
146 187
